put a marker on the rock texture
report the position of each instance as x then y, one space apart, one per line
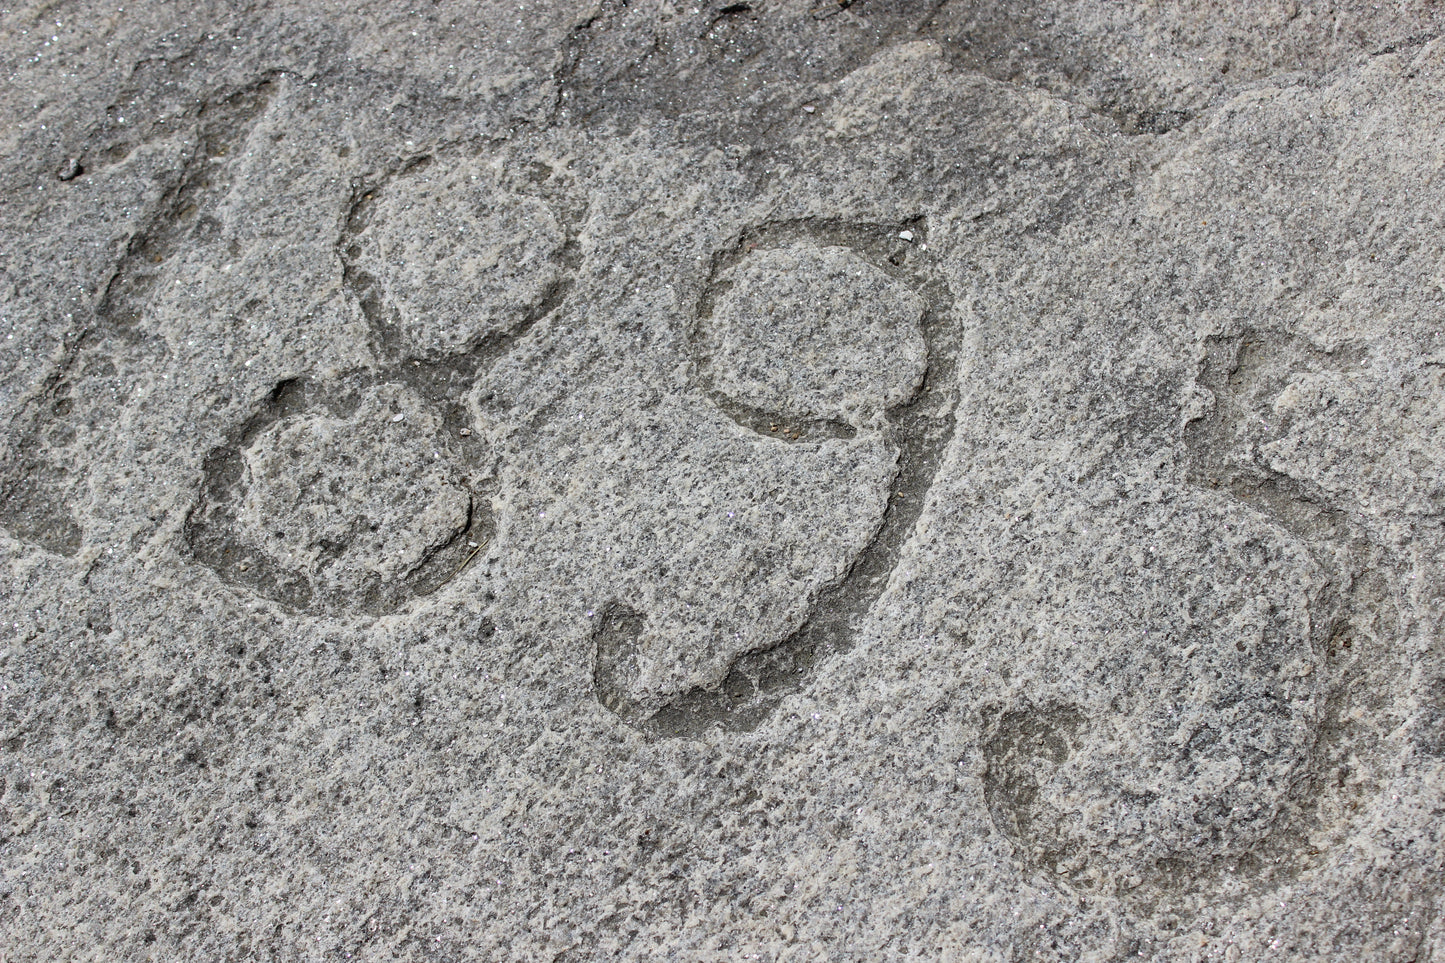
783 480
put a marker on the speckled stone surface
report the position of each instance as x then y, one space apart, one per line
787 480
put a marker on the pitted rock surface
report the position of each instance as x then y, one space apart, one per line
781 480
815 333
305 500
450 256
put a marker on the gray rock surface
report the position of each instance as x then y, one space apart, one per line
784 480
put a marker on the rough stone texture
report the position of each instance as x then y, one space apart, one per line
789 480
814 332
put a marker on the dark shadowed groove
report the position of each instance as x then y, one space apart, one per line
1355 622
211 529
30 510
919 430
440 380
36 495
776 425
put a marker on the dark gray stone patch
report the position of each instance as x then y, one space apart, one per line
1024 749
34 507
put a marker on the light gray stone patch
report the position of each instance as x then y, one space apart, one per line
718 541
444 254
1170 718
345 498
1323 434
1365 439
370 487
1118 639
814 332
711 591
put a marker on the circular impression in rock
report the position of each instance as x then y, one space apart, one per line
338 510
1186 779
443 255
814 332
